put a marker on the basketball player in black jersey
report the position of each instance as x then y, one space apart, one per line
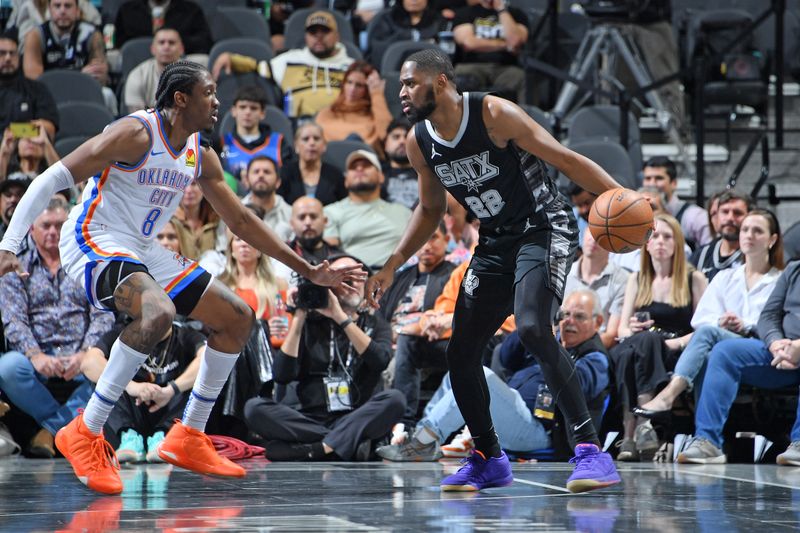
489 155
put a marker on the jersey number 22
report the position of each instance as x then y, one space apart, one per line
488 205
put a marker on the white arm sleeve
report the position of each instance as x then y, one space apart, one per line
36 198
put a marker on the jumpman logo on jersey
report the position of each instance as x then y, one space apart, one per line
434 153
528 225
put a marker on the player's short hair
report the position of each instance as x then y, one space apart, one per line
251 93
434 61
178 76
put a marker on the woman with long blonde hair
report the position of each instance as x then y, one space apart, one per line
249 273
655 325
730 308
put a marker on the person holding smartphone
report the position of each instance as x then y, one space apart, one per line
26 151
655 325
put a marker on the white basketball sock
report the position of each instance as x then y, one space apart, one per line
123 362
214 370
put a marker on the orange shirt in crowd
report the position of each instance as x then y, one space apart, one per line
446 302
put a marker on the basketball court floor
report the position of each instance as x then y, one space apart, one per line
40 495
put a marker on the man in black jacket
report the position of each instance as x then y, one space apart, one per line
142 18
415 291
336 355
23 100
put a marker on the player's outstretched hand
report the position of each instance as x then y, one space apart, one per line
9 263
343 276
377 285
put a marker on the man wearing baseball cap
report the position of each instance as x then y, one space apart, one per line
310 78
362 224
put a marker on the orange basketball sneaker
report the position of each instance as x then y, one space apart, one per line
91 456
191 449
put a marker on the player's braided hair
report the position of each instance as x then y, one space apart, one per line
178 76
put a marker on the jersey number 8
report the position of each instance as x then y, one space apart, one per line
150 221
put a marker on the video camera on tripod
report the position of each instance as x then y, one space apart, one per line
626 10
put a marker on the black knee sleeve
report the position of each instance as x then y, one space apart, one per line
111 277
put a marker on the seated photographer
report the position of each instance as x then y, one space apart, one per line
156 395
415 291
655 326
337 353
523 410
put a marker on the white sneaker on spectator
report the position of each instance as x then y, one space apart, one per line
791 457
702 451
7 444
460 446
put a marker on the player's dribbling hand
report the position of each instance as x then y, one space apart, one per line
377 285
10 263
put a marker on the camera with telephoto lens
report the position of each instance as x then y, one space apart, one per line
310 295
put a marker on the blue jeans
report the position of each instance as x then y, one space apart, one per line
516 427
694 356
25 388
732 362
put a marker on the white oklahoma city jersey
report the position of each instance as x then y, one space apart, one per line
124 207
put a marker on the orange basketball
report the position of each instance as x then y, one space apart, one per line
621 220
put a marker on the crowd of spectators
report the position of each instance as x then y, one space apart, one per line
323 377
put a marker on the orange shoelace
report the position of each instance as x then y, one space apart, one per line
102 455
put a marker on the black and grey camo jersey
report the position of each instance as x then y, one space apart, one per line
502 186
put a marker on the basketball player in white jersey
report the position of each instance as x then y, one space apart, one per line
141 165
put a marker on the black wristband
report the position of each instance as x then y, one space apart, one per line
346 322
175 388
500 11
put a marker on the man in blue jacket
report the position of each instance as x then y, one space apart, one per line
523 409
